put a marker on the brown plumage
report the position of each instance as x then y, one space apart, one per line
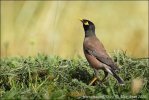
96 54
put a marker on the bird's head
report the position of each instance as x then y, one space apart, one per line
88 25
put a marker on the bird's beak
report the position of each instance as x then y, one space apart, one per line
84 23
81 19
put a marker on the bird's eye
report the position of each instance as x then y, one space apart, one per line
86 23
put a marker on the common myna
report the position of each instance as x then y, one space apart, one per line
96 54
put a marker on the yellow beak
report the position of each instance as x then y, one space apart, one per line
85 23
81 19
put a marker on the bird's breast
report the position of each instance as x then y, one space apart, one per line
93 61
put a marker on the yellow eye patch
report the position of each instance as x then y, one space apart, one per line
86 23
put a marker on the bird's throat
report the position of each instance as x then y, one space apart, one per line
89 33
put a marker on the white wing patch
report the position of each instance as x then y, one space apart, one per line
108 70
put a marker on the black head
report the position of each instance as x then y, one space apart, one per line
89 27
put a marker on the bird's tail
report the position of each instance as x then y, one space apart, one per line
119 79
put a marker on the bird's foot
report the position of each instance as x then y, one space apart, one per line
98 82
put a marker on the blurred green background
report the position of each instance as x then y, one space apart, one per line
53 27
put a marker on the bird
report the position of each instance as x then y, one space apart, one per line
97 55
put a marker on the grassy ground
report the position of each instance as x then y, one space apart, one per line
51 77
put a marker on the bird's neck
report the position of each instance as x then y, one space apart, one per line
89 33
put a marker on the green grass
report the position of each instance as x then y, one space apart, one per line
51 77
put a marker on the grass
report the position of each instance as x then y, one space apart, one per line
51 77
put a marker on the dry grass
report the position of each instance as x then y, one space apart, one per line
52 27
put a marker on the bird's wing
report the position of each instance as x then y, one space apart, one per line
97 50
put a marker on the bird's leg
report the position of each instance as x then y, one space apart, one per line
95 77
106 74
93 80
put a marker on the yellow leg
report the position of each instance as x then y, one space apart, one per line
94 79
